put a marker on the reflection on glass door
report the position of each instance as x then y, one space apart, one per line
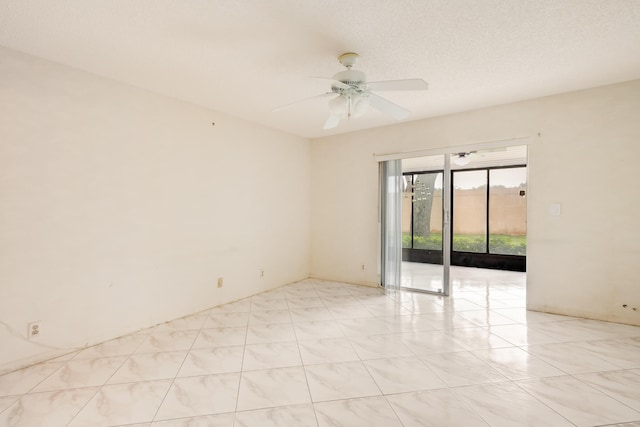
422 211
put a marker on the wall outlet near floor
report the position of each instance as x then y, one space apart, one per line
220 282
262 272
362 267
33 330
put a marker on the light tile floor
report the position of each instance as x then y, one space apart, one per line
319 353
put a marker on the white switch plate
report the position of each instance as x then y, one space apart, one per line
554 209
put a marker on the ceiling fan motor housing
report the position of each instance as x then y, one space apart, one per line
353 78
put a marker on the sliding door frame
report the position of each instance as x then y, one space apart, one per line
446 152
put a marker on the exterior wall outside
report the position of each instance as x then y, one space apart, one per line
512 219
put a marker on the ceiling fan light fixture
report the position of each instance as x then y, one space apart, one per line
360 105
339 106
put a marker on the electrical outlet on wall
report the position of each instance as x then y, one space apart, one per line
33 330
220 282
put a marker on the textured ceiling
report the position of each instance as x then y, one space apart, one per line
245 57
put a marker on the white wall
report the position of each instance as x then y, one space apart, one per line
119 208
582 263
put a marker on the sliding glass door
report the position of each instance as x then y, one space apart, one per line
422 211
470 215
424 228
489 218
508 211
433 217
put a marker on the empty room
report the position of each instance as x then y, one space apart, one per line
303 213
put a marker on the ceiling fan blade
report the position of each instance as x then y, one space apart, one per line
334 82
407 84
332 121
388 107
284 107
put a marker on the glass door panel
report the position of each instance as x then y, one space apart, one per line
424 266
508 211
407 199
427 211
470 211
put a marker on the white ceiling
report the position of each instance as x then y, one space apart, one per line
245 57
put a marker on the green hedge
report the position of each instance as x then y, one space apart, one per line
498 243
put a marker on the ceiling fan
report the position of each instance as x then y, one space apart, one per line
352 94
463 159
